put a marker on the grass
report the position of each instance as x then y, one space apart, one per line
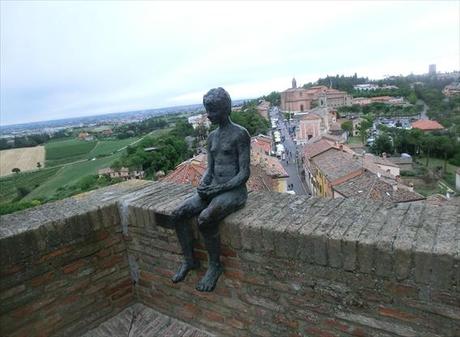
433 187
65 151
108 147
30 180
69 175
354 140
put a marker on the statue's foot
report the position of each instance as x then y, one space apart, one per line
209 280
183 270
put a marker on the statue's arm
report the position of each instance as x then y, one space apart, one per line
208 174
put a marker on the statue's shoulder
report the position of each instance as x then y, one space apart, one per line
212 134
241 131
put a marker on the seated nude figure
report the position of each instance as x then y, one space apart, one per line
222 189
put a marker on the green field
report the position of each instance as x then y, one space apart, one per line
108 147
81 159
69 175
70 150
28 180
66 151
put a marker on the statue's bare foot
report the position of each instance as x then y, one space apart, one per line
183 270
209 280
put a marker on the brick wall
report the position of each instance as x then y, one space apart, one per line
63 267
317 267
293 266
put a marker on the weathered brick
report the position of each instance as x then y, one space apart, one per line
395 313
74 266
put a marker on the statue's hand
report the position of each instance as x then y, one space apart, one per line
209 191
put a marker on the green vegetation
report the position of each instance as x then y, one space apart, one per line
67 151
347 126
9 186
274 98
344 83
250 119
69 175
381 110
170 151
141 128
108 147
445 110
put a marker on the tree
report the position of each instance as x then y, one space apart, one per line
363 129
412 98
428 144
16 170
382 144
447 148
347 126
274 98
39 165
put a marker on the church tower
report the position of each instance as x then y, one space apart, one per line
294 83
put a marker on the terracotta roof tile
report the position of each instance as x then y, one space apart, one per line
189 171
369 186
264 169
426 125
336 164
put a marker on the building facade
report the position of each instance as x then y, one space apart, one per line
300 99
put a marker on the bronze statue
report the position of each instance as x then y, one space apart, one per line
222 189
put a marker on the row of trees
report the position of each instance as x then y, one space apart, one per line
380 109
344 83
417 143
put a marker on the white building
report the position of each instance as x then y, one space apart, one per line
366 87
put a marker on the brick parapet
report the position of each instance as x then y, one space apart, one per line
308 267
63 266
293 266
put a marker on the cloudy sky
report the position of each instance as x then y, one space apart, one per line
64 59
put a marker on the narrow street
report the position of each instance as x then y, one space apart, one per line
290 162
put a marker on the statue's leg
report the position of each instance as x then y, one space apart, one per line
208 223
189 208
211 239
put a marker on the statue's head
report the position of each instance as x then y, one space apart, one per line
217 103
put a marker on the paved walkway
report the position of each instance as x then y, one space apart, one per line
141 321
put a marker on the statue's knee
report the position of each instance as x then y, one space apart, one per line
203 220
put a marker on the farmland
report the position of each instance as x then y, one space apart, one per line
26 181
107 147
24 159
68 175
67 151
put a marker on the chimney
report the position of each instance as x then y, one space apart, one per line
384 154
341 147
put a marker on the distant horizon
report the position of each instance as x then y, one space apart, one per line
190 104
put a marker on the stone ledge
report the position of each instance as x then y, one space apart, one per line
398 241
416 240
